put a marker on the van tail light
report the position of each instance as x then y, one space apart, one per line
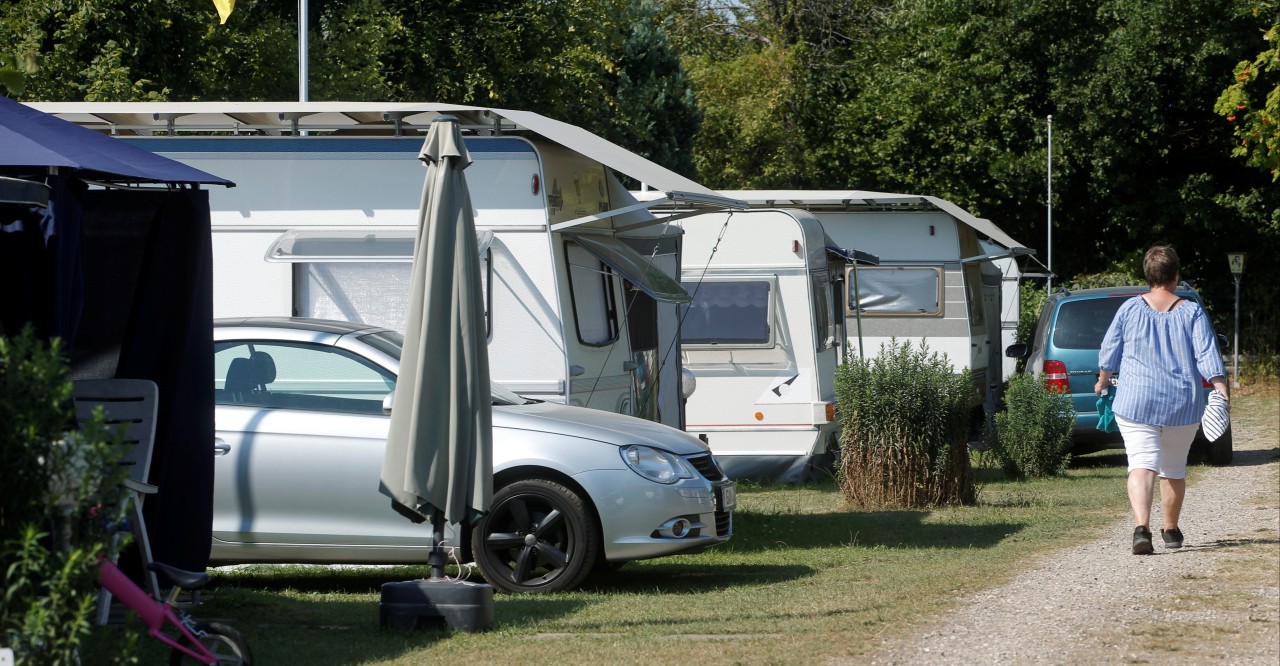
1055 377
1204 383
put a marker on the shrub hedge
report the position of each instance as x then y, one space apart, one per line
1031 436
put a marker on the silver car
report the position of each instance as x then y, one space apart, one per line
300 436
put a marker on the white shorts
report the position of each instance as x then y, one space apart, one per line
1161 449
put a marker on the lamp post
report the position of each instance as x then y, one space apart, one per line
1236 261
1049 203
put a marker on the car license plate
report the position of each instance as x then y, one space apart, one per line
726 497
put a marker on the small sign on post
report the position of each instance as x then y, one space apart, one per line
1236 261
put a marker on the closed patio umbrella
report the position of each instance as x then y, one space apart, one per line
438 463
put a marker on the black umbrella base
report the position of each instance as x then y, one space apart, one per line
433 604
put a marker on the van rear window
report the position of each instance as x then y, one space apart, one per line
1081 324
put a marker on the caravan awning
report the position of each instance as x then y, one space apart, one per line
633 266
858 199
400 118
693 203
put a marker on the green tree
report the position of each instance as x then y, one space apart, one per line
953 97
654 112
1252 102
765 73
13 72
107 50
602 64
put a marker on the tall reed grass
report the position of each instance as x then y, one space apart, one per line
905 416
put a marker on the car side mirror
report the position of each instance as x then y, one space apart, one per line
1223 343
387 402
1016 351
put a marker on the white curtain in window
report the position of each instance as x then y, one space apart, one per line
898 290
590 298
366 293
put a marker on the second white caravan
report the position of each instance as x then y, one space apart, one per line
763 336
944 277
929 285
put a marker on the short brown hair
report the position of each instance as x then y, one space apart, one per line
1161 265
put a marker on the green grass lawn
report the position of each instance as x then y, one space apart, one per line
804 578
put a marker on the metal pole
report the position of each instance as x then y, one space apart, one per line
302 50
1049 202
857 308
1235 345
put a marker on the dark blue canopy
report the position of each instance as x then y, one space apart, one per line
31 141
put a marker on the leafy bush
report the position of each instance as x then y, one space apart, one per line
1259 363
905 418
1114 278
1032 434
62 496
1031 298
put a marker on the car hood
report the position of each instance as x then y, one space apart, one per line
596 424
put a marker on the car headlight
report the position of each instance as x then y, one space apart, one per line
656 465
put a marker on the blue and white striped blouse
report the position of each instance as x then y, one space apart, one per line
1160 358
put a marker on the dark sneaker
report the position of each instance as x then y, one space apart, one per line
1172 538
1142 541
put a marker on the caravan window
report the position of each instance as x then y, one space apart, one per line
366 292
591 290
824 325
727 313
896 291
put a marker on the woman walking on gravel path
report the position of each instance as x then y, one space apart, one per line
1162 345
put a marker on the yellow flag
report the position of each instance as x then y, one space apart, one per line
224 8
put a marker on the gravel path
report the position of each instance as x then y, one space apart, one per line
1215 601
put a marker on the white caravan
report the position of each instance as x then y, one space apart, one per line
929 284
579 279
763 336
944 277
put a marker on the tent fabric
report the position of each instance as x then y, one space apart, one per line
39 260
32 141
438 462
124 278
148 314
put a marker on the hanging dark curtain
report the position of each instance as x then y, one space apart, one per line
39 263
148 314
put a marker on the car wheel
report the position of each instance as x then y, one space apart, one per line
538 536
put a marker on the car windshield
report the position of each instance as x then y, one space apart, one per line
391 342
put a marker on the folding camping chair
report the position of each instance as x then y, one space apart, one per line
129 406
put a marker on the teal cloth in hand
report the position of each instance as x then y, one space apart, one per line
1107 419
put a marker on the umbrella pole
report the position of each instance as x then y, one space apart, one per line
436 558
